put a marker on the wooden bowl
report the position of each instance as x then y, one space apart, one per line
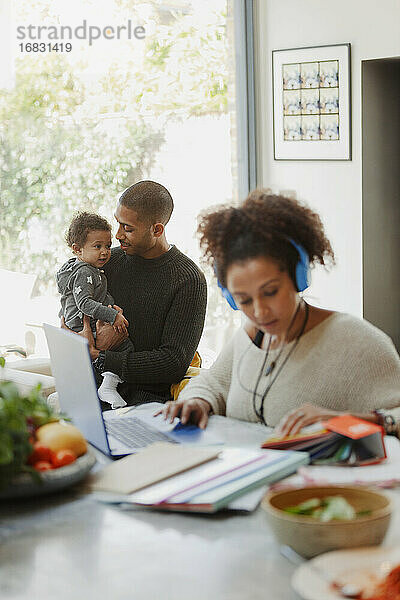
310 537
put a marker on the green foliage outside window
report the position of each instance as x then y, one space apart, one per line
67 143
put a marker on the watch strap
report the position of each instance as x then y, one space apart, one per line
387 421
99 362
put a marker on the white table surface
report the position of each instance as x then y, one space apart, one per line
69 547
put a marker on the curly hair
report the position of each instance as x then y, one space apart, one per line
82 223
262 226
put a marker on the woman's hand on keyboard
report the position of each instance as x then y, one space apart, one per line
195 410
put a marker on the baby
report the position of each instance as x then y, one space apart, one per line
83 288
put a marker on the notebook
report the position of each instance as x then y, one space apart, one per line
155 463
342 440
208 487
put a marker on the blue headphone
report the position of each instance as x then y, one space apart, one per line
302 274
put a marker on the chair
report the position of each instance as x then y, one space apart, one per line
25 381
16 292
15 301
193 370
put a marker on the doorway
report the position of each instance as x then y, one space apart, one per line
381 194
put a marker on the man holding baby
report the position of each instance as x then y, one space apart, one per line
163 295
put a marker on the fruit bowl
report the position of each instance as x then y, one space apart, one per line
51 481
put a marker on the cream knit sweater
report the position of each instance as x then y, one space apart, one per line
344 363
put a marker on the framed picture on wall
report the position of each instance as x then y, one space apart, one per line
312 103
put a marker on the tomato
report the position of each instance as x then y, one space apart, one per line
43 465
62 458
40 452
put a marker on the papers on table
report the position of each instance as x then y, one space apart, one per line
206 487
386 474
153 464
238 433
343 440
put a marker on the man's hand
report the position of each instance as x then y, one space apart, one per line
118 308
86 333
107 338
120 324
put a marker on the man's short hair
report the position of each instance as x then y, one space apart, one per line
152 201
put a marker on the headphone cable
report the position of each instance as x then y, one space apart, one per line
259 413
254 390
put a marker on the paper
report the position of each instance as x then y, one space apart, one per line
209 487
343 440
385 474
153 464
352 427
248 502
245 480
238 433
228 462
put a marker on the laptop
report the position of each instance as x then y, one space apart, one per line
113 433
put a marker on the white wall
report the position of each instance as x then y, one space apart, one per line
332 188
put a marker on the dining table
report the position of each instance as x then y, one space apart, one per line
69 546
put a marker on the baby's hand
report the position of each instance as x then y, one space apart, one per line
120 324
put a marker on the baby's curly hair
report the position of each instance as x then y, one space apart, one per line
82 223
261 226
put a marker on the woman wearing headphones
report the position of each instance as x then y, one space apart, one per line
292 364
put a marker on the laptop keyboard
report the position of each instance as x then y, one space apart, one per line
134 433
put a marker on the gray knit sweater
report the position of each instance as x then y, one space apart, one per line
344 364
164 300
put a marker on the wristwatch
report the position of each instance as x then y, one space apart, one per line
99 362
387 421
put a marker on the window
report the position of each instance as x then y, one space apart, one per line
78 126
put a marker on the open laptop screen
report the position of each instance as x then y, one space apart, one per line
72 368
